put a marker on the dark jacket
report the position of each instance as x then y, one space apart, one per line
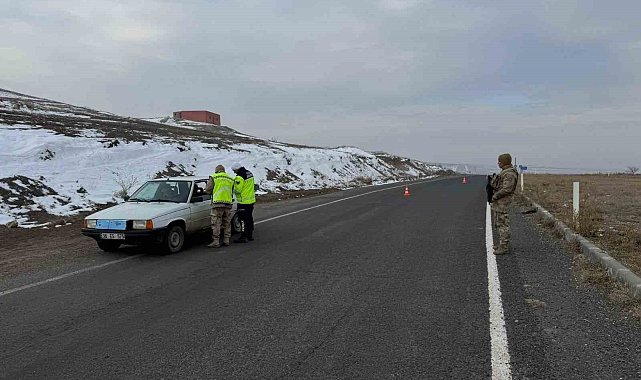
244 173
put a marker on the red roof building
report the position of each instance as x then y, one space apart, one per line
201 116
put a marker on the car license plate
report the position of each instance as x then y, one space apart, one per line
108 224
112 236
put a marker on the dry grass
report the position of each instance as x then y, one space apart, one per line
592 274
610 210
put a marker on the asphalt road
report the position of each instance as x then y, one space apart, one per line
376 286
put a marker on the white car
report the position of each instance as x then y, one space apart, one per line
161 211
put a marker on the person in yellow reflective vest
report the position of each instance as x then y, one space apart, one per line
221 187
245 191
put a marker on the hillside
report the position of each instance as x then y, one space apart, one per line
60 159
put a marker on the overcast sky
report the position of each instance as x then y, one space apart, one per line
557 83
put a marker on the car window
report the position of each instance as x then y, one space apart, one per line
163 191
199 190
146 191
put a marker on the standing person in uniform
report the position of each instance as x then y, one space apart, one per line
221 187
245 191
503 186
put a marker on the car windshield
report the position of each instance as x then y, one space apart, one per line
162 191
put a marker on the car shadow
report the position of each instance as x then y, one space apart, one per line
192 241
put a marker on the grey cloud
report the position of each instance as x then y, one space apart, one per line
554 81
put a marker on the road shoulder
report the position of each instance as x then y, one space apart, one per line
559 328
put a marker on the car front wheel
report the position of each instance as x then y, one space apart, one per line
174 239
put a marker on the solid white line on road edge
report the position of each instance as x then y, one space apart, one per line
28 286
500 353
345 199
9 291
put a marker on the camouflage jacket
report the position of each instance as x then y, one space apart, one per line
504 185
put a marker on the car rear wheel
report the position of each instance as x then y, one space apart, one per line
174 239
108 246
236 224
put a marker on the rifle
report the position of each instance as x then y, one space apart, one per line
488 188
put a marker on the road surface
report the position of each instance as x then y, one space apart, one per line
359 284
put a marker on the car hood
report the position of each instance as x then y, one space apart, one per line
138 210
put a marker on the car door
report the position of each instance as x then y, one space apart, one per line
200 206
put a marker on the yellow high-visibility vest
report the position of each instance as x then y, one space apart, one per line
223 188
245 190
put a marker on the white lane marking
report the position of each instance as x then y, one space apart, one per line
28 286
500 353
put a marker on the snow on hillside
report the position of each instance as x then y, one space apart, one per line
14 95
59 159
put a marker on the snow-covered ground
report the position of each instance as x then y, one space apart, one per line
42 169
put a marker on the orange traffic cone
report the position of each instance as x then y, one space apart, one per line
464 180
407 191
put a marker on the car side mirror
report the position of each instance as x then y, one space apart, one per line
125 198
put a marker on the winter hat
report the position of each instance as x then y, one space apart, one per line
220 169
505 159
235 166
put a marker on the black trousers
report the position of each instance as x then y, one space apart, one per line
247 216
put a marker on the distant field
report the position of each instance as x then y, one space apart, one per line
611 209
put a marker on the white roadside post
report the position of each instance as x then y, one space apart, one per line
575 204
522 175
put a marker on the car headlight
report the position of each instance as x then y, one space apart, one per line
143 225
90 223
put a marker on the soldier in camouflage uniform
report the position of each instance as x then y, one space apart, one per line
504 185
